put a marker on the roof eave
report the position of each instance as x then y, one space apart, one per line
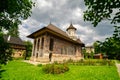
55 33
32 35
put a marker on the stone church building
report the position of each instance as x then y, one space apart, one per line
53 44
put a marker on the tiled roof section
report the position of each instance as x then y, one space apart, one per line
13 40
56 29
79 41
71 27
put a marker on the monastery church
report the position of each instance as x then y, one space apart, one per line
53 44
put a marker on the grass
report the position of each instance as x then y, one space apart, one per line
17 70
118 61
93 62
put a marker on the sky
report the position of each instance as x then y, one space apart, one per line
62 13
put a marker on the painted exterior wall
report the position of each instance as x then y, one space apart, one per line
62 50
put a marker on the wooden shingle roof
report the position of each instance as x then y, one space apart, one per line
13 40
54 30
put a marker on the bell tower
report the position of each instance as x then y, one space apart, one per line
71 30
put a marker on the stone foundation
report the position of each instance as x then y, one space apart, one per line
57 58
61 58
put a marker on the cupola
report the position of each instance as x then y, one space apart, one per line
71 30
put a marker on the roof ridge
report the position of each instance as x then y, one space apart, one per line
56 29
54 26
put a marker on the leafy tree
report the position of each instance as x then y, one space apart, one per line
13 31
5 51
91 54
99 10
111 46
97 48
28 52
13 11
85 53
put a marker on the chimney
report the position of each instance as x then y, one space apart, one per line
8 38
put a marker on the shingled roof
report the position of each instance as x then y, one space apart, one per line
54 30
13 40
71 27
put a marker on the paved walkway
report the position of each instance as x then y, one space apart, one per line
34 62
118 67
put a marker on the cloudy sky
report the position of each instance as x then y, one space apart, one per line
61 13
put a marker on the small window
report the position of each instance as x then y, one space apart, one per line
51 44
61 50
36 55
42 43
34 44
38 44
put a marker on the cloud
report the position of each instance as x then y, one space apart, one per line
23 32
61 13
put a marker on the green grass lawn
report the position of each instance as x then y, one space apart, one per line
17 70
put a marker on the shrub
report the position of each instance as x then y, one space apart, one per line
70 61
39 65
55 62
55 68
18 58
93 62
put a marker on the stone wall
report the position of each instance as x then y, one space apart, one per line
62 50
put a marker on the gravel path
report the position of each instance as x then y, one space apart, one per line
34 62
118 68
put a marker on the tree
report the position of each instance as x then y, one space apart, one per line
91 54
5 51
13 31
86 55
28 52
99 10
97 47
13 11
111 46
